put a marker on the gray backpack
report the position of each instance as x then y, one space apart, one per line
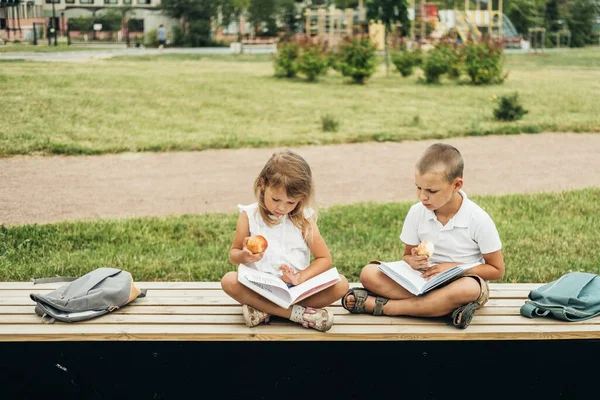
96 293
575 296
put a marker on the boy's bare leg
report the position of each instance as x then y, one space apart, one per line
437 303
243 295
328 296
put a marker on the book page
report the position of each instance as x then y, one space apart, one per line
260 277
448 274
315 284
405 275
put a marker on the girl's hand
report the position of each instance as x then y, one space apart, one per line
415 261
248 256
436 269
289 275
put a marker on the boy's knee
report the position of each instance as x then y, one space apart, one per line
369 274
465 291
229 282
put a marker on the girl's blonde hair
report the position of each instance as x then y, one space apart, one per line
288 171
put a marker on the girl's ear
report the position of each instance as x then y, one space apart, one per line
261 183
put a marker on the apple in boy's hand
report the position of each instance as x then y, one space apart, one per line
257 244
425 248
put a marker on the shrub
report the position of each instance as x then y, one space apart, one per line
405 61
483 62
357 59
312 61
437 62
286 60
329 123
509 108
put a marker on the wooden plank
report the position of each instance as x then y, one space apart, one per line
503 294
221 310
144 285
287 332
343 319
217 285
215 300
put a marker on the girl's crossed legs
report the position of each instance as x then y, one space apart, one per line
310 316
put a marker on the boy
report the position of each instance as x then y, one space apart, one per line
461 232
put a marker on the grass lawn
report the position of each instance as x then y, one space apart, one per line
543 236
194 102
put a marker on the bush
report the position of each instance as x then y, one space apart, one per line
357 59
312 61
286 60
406 61
329 123
509 108
483 62
438 62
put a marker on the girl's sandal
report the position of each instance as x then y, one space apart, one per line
316 318
360 297
463 315
253 317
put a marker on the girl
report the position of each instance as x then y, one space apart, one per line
284 216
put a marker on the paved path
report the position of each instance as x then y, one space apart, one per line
49 189
98 54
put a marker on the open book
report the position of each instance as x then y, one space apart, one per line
411 279
274 289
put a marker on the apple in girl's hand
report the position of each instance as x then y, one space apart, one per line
425 248
257 244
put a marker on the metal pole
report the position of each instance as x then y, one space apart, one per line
54 22
34 34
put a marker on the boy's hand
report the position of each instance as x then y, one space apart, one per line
289 276
417 262
248 256
436 269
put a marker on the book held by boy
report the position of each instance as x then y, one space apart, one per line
411 279
276 290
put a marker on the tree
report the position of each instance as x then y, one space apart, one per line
581 18
195 16
389 12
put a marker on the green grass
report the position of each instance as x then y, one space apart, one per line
44 48
543 235
194 102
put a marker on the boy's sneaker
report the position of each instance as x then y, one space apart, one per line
253 317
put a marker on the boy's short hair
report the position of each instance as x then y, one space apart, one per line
441 158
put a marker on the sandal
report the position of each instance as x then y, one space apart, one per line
360 296
462 316
309 317
253 317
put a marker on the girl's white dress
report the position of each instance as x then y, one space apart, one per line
286 243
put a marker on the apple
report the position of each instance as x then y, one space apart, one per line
257 244
425 248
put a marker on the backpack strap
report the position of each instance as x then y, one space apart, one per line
53 279
530 310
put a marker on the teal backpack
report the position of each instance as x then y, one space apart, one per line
573 297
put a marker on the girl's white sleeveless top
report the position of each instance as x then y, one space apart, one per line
286 243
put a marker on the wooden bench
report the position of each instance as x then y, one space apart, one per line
249 44
195 328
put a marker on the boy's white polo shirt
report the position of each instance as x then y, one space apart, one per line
465 238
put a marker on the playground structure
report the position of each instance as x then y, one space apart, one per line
427 23
332 24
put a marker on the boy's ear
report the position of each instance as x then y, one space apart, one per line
458 184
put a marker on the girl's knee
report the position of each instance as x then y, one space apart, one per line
341 287
229 282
